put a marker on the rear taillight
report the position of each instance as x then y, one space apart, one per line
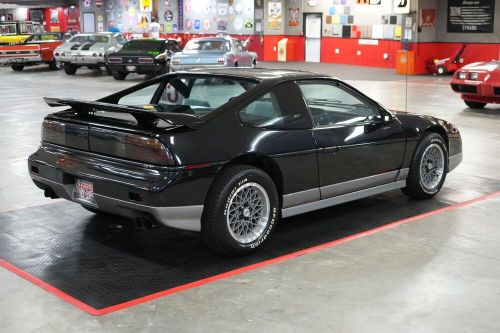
175 61
65 134
221 61
145 60
115 60
130 146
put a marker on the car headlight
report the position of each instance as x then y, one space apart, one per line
462 75
473 76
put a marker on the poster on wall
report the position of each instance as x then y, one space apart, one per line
428 17
54 16
274 15
293 17
465 16
146 6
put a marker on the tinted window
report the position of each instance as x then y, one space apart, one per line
120 39
153 47
207 45
201 94
8 29
331 104
141 97
89 38
263 112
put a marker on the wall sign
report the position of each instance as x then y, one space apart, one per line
428 17
471 16
401 6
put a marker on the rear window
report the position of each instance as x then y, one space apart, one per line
143 46
189 94
44 37
207 45
8 29
89 38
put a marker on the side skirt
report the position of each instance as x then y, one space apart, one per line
296 210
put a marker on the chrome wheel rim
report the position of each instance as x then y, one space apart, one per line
432 166
248 213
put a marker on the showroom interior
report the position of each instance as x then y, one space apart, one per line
359 136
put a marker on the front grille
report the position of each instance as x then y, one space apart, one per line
496 90
465 88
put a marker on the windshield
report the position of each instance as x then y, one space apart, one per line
8 29
89 38
189 94
207 45
153 47
44 37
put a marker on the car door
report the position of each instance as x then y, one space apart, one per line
360 145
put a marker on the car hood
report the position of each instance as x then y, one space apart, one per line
488 66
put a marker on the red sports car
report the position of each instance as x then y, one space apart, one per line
37 49
479 83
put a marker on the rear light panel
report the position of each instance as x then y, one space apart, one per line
115 60
146 60
221 61
129 146
65 134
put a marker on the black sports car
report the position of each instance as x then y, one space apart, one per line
230 152
142 56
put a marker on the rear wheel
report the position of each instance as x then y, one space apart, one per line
236 64
428 167
475 105
441 70
241 211
254 63
70 69
53 65
17 68
117 75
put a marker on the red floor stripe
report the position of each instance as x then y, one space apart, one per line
237 271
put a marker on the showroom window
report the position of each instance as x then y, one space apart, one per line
332 105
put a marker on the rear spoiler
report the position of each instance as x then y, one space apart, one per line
143 117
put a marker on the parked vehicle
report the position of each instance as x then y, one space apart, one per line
37 49
446 65
478 83
230 152
142 56
15 32
214 52
88 50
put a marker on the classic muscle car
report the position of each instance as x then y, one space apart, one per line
213 52
37 49
142 56
479 83
228 153
89 50
16 32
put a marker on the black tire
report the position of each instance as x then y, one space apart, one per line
236 64
108 71
17 68
416 186
120 76
216 229
69 68
475 105
53 65
254 63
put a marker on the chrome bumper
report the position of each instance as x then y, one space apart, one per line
182 217
80 59
19 60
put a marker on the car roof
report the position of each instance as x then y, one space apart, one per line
259 74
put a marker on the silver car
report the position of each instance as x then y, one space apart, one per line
213 52
89 50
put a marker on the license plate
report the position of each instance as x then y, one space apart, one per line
83 191
130 68
79 58
18 60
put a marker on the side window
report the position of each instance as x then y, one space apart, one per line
139 97
262 112
237 46
331 104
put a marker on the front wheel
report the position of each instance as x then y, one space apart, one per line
475 105
428 167
17 68
241 211
117 75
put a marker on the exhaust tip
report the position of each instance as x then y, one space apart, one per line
145 222
49 193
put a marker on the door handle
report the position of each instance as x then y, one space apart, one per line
329 150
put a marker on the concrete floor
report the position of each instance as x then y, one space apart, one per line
437 274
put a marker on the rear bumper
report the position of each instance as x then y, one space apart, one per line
85 59
174 198
20 60
136 68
